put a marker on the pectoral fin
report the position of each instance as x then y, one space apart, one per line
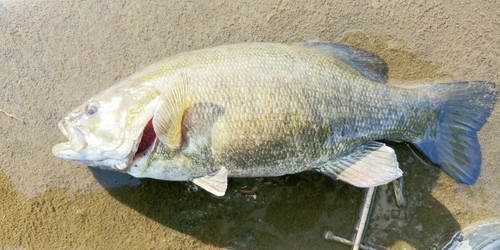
215 184
167 120
372 164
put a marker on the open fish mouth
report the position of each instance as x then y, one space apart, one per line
77 149
75 144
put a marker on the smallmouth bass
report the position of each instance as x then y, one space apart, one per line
265 109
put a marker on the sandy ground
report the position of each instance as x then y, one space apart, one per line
56 54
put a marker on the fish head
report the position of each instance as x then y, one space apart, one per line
106 130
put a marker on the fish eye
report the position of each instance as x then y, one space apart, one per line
91 109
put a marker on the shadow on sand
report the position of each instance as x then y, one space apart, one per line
291 211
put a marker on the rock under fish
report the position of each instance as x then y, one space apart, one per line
264 109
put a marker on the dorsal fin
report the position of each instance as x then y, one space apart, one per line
167 120
367 64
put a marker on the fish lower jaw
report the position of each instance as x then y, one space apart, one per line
67 151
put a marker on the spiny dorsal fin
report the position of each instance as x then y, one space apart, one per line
215 184
372 164
367 64
167 120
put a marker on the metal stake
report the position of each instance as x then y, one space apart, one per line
365 211
362 221
364 216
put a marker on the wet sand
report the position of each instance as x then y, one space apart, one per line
54 55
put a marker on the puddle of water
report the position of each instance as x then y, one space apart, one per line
294 210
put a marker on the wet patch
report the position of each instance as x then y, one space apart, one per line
295 210
403 64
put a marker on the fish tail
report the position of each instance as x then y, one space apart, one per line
460 110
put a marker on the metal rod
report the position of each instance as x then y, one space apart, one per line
366 206
329 235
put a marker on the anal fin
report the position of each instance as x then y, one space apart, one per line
372 164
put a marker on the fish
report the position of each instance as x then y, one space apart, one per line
271 109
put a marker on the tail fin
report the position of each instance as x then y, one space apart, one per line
452 143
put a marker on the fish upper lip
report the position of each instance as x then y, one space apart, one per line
76 141
62 128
